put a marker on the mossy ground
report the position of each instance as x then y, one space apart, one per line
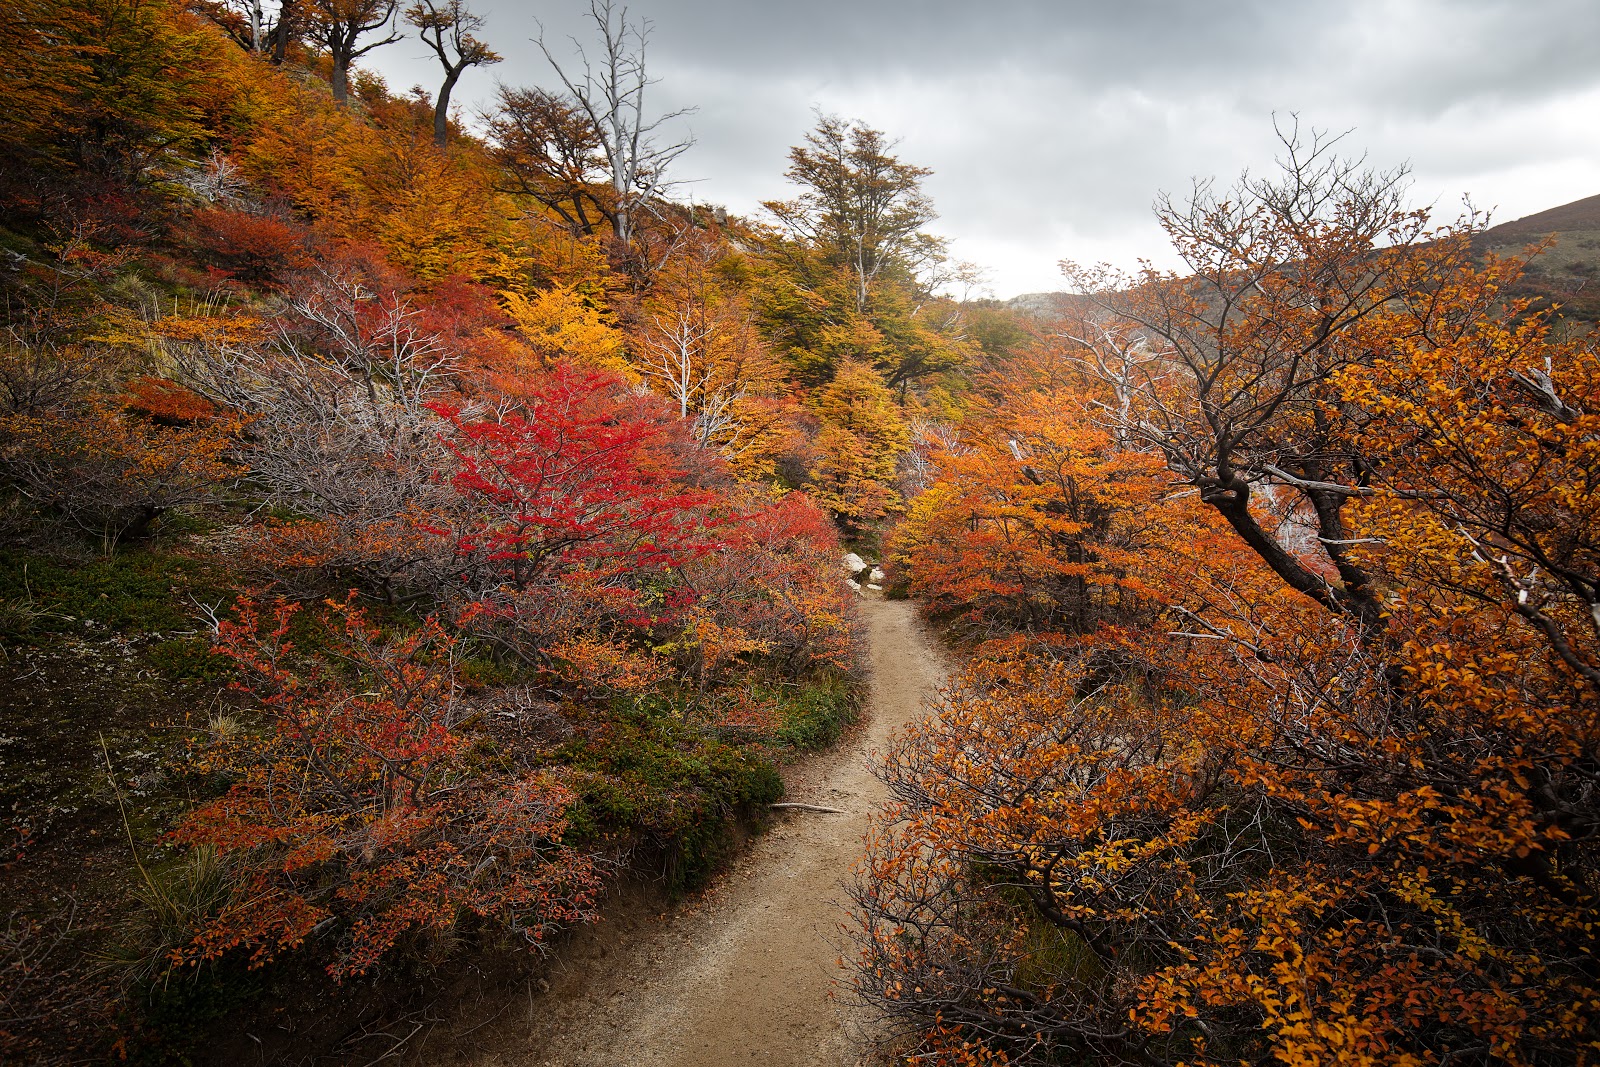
90 710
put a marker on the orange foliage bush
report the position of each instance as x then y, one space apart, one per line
113 473
359 813
1036 517
254 249
774 583
1338 805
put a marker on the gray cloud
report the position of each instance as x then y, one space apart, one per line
1051 126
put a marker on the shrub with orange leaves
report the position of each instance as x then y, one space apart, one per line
774 583
1035 516
113 473
361 811
257 250
166 402
1339 805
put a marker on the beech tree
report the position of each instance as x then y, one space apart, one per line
848 273
1290 281
864 208
548 148
1339 806
290 25
1035 517
859 447
116 91
450 29
339 26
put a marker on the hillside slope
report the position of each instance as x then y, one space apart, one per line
1566 271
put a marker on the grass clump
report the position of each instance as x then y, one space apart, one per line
644 773
129 593
816 714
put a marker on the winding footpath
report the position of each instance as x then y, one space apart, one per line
746 975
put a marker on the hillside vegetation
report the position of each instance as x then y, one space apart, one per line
411 533
408 533
1565 267
1278 741
1561 247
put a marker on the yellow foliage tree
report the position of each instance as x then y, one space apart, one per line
859 447
561 325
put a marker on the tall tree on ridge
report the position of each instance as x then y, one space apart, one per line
339 24
860 205
851 273
450 29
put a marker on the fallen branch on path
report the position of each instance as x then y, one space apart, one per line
819 809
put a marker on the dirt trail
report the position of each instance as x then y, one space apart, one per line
745 976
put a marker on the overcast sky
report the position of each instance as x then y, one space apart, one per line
1050 126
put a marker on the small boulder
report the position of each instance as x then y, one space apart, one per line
853 564
877 575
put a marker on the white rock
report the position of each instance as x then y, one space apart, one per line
853 584
877 575
853 563
877 588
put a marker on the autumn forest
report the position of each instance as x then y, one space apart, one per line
425 531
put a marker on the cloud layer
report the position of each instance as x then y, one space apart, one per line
1051 126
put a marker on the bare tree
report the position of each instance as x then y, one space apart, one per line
339 430
339 25
1119 355
254 25
611 93
699 346
677 354
450 29
337 398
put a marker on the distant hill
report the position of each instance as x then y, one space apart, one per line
1577 217
1045 305
1567 273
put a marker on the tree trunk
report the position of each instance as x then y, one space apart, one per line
1232 502
441 108
280 34
341 80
